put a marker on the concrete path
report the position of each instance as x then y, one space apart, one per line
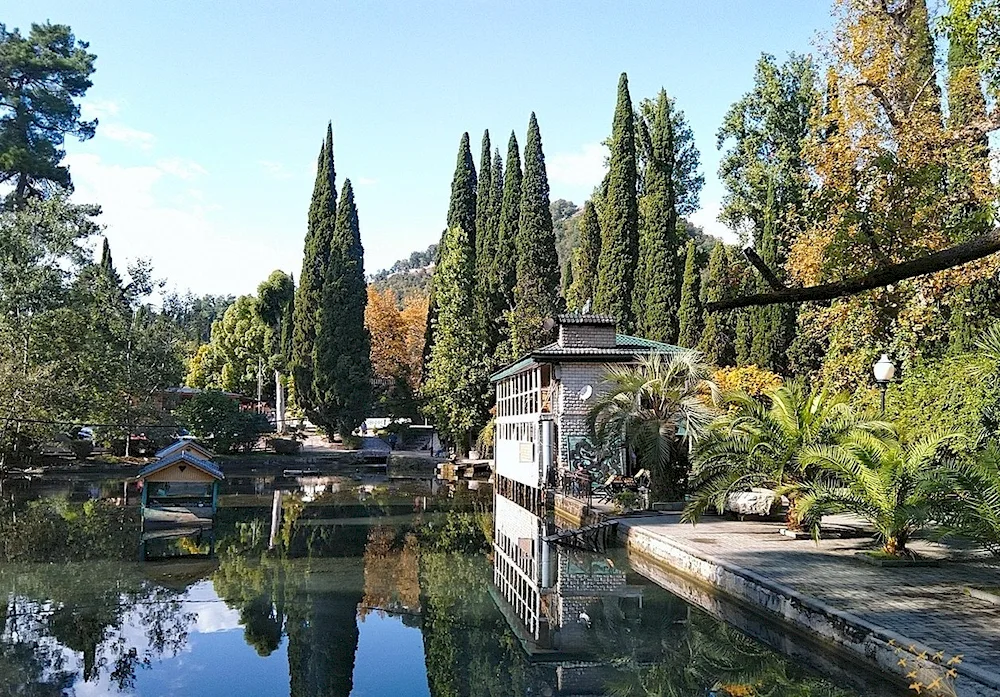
926 606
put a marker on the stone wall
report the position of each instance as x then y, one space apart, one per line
587 335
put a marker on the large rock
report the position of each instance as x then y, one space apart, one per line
759 502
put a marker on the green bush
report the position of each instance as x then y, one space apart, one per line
214 417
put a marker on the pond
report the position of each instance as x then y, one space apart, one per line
373 587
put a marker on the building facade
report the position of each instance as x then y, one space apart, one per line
542 403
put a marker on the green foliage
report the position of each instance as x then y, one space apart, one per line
43 75
648 402
216 418
309 295
342 361
503 276
484 189
536 293
691 320
717 341
971 491
772 327
620 219
238 354
454 389
758 442
888 484
459 532
584 260
195 314
462 208
55 530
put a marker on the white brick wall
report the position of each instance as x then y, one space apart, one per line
587 335
572 410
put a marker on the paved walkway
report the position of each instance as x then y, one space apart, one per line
925 604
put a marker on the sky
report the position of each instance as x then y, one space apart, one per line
211 114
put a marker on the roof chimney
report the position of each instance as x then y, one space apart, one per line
586 331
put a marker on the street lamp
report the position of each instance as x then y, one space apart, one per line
884 371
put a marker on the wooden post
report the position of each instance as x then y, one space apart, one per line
215 497
275 518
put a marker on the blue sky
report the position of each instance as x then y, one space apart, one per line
212 113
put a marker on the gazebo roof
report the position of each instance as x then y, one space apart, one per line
181 457
179 445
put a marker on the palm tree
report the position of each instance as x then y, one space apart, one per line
757 443
972 490
648 402
895 487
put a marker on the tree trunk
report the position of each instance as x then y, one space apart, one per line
279 403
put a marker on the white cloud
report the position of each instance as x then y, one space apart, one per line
275 170
150 212
181 168
99 109
127 135
584 168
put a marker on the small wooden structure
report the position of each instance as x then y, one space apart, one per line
185 445
180 488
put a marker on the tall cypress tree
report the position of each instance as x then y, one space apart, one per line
536 294
462 209
691 317
454 389
620 223
773 326
717 340
342 363
309 295
743 341
484 190
656 300
584 260
504 274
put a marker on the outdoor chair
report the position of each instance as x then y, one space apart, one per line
606 492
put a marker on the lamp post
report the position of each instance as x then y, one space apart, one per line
884 371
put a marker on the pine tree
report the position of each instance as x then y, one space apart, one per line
620 223
717 341
691 319
453 387
342 364
309 295
584 260
656 300
536 293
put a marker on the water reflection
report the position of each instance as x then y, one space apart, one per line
350 584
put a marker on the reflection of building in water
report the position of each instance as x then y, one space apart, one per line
551 597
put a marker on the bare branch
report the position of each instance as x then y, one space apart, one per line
932 263
883 100
765 271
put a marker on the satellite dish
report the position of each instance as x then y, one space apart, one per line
586 393
548 324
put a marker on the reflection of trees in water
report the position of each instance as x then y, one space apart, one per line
391 572
676 651
86 609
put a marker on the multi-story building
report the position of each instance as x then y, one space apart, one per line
542 403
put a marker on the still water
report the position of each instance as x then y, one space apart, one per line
373 587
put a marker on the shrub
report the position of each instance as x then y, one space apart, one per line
216 418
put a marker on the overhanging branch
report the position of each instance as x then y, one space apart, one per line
931 263
765 270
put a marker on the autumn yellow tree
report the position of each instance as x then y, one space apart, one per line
883 161
397 335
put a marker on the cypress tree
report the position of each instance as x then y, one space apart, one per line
918 70
484 190
342 364
717 341
773 327
454 388
461 213
744 329
656 300
496 194
510 217
432 313
584 260
504 274
309 295
462 209
620 224
691 319
536 293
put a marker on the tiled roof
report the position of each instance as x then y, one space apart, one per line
182 456
625 347
586 319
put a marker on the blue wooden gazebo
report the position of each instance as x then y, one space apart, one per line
180 487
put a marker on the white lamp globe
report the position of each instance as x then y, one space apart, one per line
884 369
